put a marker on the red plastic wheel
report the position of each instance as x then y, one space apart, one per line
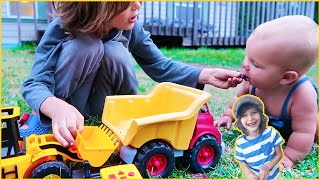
205 155
155 159
157 164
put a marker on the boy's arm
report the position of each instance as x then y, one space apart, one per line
265 169
227 118
161 69
155 64
304 116
250 175
41 83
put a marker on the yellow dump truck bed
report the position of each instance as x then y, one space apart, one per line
168 112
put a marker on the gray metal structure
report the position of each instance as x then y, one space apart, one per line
215 23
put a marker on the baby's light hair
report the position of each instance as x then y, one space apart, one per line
307 44
297 37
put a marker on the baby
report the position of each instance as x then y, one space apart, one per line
278 55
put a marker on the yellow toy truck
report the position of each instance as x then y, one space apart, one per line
149 131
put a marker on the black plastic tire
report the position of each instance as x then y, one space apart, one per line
192 154
51 170
151 150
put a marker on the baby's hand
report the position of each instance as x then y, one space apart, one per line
287 163
224 121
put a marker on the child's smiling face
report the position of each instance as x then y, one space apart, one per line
251 121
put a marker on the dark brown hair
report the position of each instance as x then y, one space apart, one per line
242 110
88 17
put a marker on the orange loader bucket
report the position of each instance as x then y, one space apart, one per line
96 144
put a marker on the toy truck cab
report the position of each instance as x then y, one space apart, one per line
206 144
35 158
156 128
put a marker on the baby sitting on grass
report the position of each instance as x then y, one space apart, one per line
278 55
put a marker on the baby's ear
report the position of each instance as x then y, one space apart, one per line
289 77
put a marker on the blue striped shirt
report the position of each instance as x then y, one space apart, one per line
259 151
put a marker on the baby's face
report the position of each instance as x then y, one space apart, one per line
262 62
278 46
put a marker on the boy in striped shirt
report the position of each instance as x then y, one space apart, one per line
259 149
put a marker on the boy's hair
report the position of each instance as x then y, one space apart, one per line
88 17
244 103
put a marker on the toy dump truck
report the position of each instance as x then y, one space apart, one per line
154 129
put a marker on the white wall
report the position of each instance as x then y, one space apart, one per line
10 32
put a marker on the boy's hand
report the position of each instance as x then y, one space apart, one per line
65 120
221 78
253 176
264 172
224 121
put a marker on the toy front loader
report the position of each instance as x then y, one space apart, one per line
43 156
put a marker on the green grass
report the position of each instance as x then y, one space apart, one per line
17 63
222 57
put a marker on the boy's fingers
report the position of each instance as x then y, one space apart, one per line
80 125
233 82
80 122
71 125
229 83
65 133
231 73
57 135
263 176
226 84
253 176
